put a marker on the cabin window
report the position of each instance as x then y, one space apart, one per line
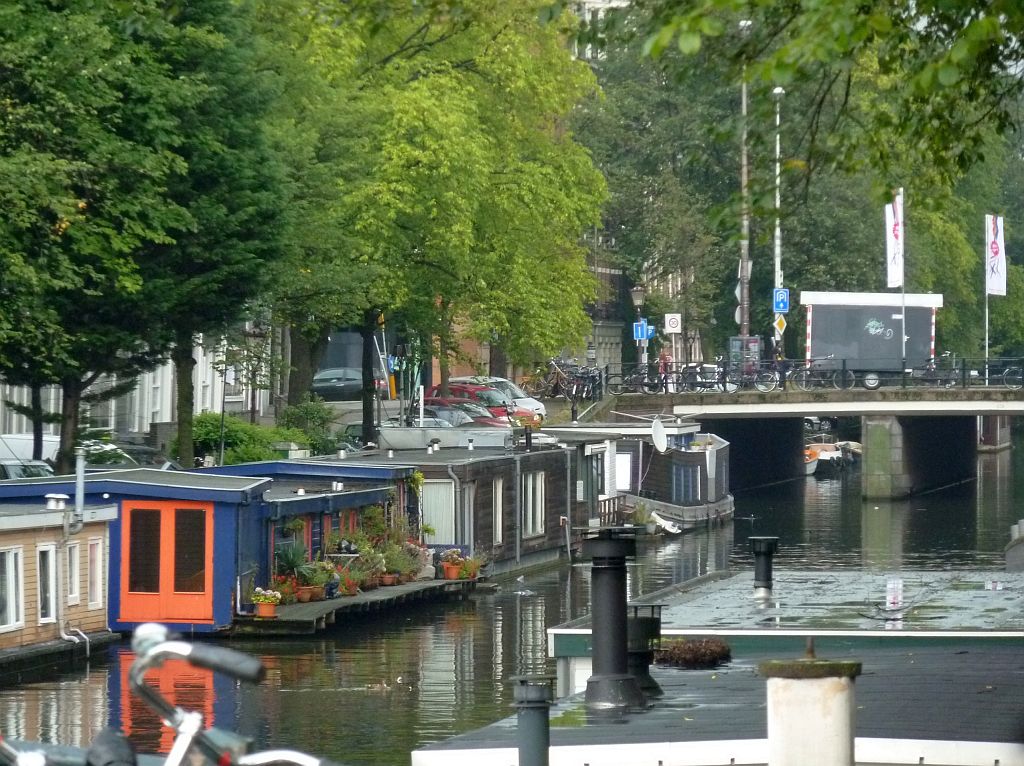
47 582
11 612
74 574
144 551
685 484
189 550
497 514
532 489
95 582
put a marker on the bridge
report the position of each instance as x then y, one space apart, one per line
914 439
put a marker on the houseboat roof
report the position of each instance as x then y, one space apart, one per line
630 429
940 652
412 458
34 516
327 468
149 482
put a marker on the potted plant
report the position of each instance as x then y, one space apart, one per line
451 563
266 602
292 562
470 567
295 526
395 563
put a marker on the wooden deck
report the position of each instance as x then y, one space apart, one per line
315 616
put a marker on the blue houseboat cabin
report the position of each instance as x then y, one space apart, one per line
185 545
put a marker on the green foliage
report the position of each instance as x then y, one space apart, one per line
314 418
243 442
292 561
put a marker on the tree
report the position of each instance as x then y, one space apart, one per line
951 70
230 185
86 151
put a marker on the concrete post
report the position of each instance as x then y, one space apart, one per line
611 685
811 711
532 695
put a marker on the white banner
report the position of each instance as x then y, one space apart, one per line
894 241
995 251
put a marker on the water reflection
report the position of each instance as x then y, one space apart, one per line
372 690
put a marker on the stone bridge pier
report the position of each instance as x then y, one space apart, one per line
903 456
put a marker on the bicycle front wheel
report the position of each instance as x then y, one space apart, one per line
766 380
802 379
613 384
730 382
1013 377
843 379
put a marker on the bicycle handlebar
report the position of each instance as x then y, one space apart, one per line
152 647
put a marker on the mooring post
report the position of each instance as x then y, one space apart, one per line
532 695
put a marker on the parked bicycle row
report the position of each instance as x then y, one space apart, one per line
824 373
566 378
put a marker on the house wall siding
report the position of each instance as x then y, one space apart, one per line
77 616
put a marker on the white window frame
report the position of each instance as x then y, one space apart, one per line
95 580
12 569
49 550
497 514
533 503
73 567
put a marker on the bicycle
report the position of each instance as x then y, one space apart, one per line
702 378
816 374
1013 377
547 383
637 381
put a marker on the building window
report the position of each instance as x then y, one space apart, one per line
11 612
497 517
46 582
74 574
189 550
95 573
532 490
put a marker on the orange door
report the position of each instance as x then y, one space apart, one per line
167 561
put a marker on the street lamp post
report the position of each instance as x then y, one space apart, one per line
637 294
745 194
778 93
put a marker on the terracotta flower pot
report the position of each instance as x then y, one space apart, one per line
266 611
304 593
451 571
389 579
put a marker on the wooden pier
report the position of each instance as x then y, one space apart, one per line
315 616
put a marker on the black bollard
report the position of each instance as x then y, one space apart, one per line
763 549
532 695
610 685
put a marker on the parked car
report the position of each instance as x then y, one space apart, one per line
477 413
494 400
338 384
510 389
14 468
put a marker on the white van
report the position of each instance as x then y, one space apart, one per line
19 446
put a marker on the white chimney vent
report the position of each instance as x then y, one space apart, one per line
56 502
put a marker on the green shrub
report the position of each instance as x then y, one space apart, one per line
243 442
314 418
694 653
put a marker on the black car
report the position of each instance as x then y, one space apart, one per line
337 384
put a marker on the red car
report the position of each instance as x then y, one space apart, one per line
480 414
498 403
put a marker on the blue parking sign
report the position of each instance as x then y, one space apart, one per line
780 300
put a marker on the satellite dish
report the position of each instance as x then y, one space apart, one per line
658 436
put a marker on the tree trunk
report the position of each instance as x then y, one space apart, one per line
184 364
71 401
306 357
366 331
497 363
37 421
443 364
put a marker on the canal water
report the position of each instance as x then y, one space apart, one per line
373 689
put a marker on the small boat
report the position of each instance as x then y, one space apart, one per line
851 450
810 462
669 527
831 459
